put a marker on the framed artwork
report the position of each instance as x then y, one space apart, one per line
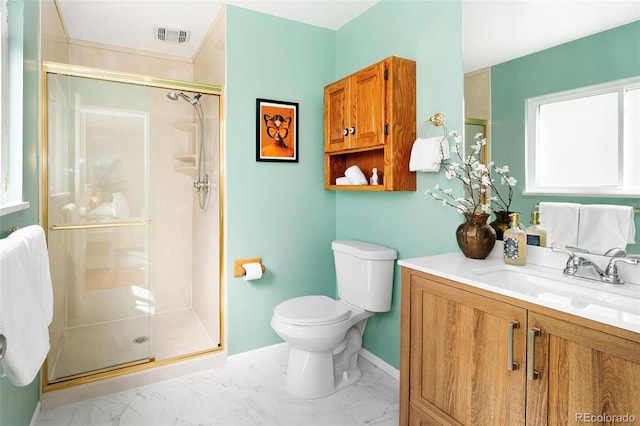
276 131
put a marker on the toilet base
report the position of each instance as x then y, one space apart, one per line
310 374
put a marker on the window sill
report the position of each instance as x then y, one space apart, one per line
13 207
582 193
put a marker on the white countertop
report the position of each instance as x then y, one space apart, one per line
542 282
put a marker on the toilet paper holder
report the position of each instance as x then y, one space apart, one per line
239 271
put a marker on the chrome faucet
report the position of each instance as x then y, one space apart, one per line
610 275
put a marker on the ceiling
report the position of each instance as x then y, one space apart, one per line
494 31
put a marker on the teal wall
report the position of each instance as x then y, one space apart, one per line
606 56
412 223
17 404
281 211
277 211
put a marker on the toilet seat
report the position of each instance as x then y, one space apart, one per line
311 310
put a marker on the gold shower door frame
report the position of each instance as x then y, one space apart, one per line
139 80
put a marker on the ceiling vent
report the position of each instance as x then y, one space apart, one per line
172 35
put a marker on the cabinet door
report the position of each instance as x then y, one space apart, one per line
367 107
336 116
459 351
584 373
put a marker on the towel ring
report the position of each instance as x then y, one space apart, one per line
435 120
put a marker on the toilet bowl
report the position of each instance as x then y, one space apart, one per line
325 335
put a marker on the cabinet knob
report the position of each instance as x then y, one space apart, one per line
345 132
352 130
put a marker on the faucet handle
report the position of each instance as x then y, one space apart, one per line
611 273
572 263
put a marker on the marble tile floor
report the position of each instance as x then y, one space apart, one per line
249 390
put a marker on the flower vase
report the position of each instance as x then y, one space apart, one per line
501 223
475 237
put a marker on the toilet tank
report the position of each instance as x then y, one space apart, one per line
364 273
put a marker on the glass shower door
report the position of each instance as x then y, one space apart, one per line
98 226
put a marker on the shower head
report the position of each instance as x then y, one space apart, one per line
174 96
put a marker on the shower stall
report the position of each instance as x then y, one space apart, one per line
132 208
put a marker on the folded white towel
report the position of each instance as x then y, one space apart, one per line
34 240
22 319
560 220
603 227
343 181
355 176
426 154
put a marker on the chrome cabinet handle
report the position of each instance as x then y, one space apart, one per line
352 130
532 374
511 365
345 132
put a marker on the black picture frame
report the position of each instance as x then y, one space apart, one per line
277 125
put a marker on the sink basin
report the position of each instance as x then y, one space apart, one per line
541 283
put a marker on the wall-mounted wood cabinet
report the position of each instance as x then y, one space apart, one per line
370 121
469 358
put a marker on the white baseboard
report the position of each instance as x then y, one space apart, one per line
380 363
284 346
265 350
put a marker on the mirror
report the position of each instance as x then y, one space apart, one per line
497 91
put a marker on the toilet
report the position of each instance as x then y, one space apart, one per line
325 335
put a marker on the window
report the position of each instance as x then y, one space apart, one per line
585 141
11 106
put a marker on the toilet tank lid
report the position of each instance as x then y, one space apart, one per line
364 250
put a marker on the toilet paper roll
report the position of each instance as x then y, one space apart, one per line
355 176
254 271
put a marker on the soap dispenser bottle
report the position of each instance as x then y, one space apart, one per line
515 242
536 235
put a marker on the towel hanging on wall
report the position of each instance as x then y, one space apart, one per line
427 153
26 303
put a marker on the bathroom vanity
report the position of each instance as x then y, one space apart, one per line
484 343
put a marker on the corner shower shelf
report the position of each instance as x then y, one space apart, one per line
185 143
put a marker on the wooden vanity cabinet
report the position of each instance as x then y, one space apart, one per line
465 356
583 372
370 121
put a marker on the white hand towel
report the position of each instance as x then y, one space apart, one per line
355 176
38 260
603 227
343 181
560 220
426 154
22 320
